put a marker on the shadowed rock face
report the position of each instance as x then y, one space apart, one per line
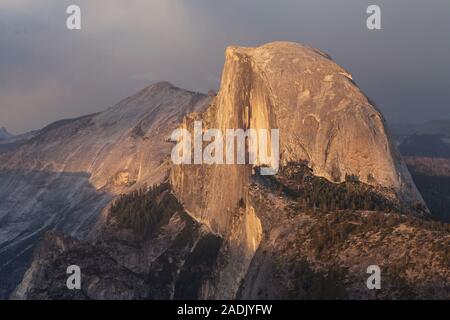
172 260
61 177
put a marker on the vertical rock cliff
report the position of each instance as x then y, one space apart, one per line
323 119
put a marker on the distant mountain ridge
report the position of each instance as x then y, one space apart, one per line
426 149
429 139
433 127
4 134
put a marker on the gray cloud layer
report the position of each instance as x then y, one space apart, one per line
48 73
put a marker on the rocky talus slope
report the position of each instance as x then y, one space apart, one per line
342 200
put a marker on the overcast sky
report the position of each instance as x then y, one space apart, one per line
48 72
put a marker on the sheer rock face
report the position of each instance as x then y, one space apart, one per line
61 177
322 115
323 118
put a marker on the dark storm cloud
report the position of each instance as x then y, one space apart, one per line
48 73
